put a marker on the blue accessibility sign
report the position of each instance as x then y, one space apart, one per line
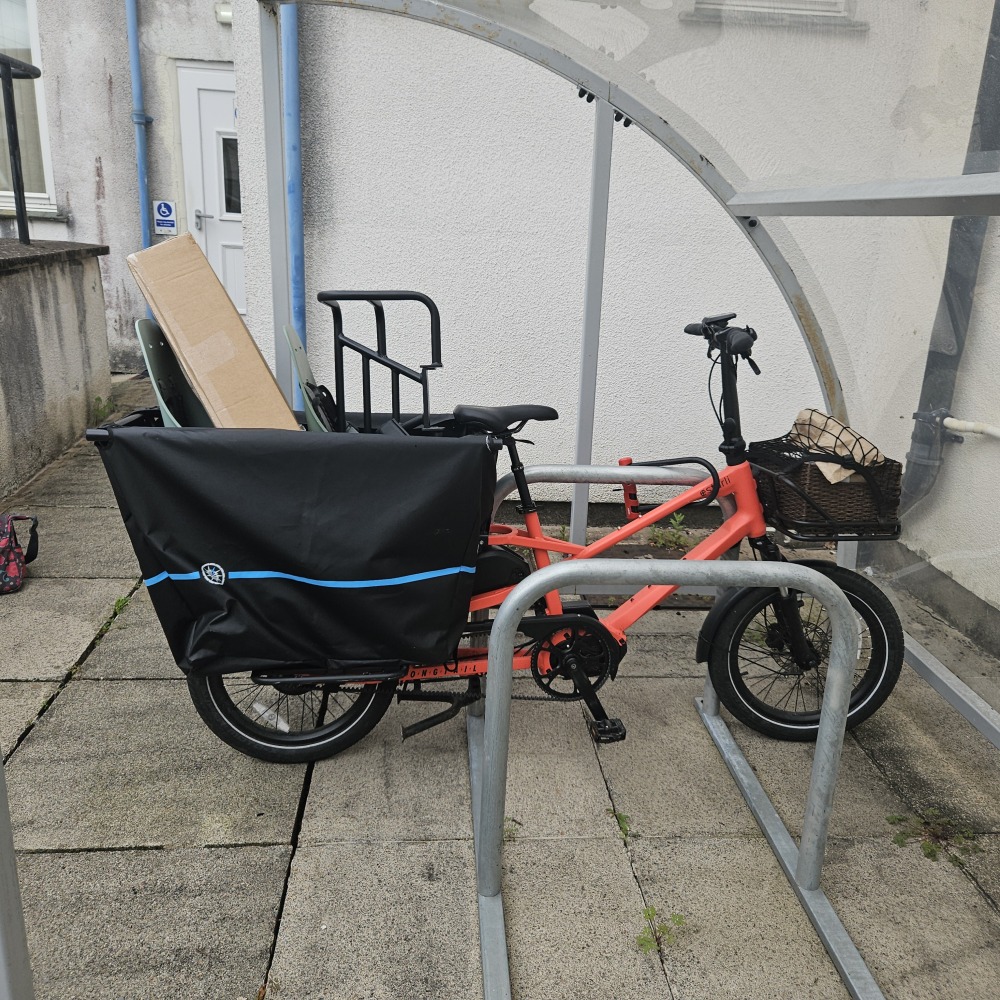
164 218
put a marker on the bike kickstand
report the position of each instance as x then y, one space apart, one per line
602 728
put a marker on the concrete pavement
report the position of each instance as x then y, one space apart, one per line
155 861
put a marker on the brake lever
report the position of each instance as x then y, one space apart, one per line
753 366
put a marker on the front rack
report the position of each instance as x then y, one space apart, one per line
799 500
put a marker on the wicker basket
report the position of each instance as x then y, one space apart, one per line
800 501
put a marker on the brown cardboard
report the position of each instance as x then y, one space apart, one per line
213 346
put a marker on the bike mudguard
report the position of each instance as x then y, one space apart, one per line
725 601
266 550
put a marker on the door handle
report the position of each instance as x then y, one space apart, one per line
198 216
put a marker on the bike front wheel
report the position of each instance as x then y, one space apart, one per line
290 721
759 681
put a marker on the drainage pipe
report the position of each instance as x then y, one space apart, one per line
140 119
292 148
951 324
970 427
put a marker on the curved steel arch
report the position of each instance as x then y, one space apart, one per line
479 21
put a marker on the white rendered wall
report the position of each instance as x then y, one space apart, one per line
437 162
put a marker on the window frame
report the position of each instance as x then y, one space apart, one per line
40 204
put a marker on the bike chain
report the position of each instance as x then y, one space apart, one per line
528 697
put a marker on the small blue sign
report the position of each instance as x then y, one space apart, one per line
164 218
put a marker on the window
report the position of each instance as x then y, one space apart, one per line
232 204
835 13
17 39
778 6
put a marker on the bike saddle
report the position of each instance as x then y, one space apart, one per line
499 419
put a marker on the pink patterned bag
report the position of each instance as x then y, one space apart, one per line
13 558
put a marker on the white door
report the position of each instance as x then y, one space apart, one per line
212 171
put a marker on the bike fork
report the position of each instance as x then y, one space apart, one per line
786 611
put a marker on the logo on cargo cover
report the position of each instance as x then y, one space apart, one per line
213 573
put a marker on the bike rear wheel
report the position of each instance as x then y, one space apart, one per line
289 722
758 680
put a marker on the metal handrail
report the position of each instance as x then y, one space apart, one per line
12 69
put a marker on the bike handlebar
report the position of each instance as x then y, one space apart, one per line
732 343
721 336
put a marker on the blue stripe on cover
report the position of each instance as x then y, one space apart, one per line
171 576
393 581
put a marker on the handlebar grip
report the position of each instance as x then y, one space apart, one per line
741 341
695 329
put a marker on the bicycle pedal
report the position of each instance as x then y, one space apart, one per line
606 730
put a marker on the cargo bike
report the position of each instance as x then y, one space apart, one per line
305 580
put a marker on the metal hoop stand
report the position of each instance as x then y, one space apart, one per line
489 735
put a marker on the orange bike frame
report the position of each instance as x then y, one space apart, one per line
747 522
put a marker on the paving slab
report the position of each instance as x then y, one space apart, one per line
573 911
960 655
862 800
47 625
555 787
932 757
922 926
745 934
22 701
75 480
386 789
83 543
667 775
129 392
132 925
667 622
662 644
983 867
661 656
126 764
379 921
133 647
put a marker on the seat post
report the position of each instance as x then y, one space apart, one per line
517 471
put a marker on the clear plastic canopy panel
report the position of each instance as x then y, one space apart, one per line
774 93
816 101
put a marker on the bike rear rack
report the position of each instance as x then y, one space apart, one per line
380 355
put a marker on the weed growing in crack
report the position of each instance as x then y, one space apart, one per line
935 832
510 827
623 821
659 932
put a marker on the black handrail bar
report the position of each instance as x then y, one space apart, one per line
380 355
12 69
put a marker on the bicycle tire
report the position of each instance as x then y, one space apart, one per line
292 723
758 682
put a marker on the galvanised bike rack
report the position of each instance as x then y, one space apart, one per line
15 966
489 742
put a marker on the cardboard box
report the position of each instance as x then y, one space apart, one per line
213 346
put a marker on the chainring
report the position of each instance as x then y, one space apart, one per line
593 648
